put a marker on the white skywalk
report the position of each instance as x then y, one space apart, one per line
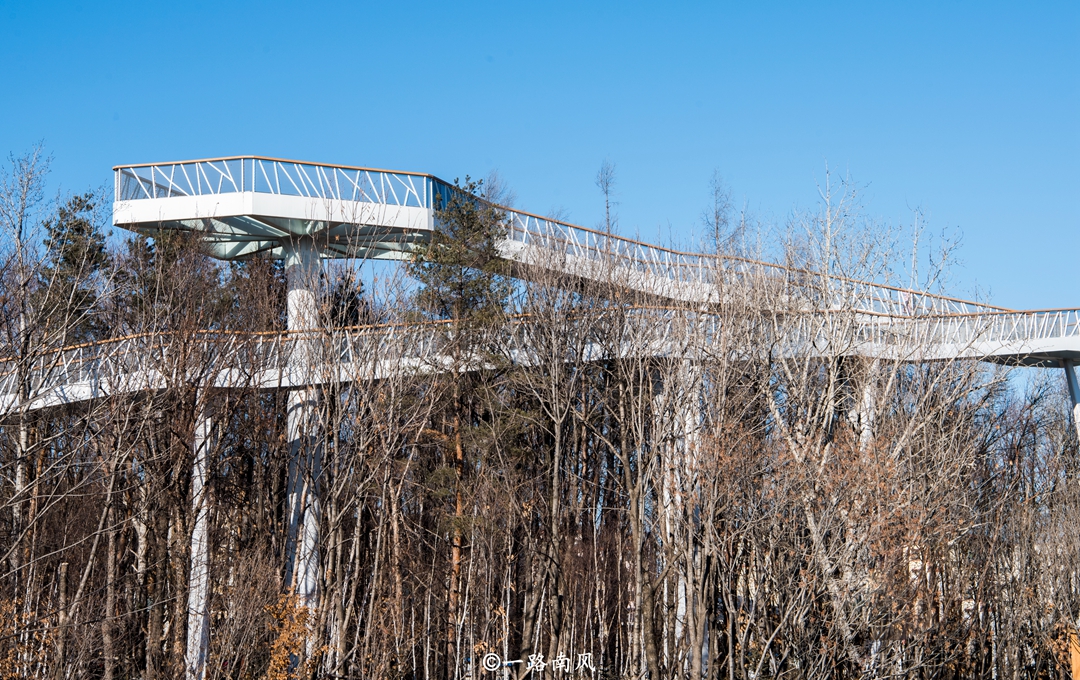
247 207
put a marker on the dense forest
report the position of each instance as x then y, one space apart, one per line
518 465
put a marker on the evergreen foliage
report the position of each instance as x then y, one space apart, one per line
461 275
345 303
75 258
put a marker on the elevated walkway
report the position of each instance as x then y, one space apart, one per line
266 361
244 207
248 207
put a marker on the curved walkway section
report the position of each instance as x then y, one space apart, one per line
247 207
251 206
267 361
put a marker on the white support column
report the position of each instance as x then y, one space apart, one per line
691 606
301 412
863 413
867 413
664 447
1074 391
307 573
305 450
198 630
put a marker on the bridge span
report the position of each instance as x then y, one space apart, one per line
247 207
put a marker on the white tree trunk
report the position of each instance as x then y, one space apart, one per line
198 640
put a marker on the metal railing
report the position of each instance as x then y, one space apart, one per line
664 266
1013 331
155 360
272 176
678 267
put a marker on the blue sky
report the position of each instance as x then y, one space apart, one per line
969 111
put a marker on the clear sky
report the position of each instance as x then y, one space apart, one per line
969 111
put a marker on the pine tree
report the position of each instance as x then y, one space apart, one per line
346 303
463 282
75 255
462 275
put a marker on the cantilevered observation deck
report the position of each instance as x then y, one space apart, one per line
247 207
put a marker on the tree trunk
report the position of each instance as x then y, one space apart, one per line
60 661
108 649
457 540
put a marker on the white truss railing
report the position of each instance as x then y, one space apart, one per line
270 360
1013 336
682 270
154 361
272 176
